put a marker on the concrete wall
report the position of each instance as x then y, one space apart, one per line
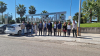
90 30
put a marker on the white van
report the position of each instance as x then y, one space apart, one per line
14 29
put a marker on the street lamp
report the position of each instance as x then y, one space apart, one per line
79 30
15 10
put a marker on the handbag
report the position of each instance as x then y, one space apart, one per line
64 30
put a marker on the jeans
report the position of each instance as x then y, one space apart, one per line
44 31
31 31
68 31
55 32
23 31
74 31
28 31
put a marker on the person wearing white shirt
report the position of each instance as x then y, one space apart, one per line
68 28
35 25
74 28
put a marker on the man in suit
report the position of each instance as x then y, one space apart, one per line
40 26
49 27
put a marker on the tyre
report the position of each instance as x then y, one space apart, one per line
19 32
10 34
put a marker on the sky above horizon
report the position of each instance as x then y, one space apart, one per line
40 5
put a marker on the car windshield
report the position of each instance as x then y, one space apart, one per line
2 25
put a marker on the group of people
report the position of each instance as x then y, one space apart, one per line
47 27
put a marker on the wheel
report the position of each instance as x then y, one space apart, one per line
19 32
10 34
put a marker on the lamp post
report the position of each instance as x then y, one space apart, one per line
70 7
70 11
79 30
15 10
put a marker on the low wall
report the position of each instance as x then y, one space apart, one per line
90 30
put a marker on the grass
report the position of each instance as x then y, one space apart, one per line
90 25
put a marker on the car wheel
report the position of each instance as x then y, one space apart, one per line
10 34
19 32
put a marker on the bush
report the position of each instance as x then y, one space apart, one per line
12 21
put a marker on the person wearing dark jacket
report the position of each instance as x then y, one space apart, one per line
28 27
59 28
64 28
40 26
49 27
55 29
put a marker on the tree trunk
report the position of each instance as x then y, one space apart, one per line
90 19
2 18
90 16
98 19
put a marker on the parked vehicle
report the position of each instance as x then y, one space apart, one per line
14 29
3 27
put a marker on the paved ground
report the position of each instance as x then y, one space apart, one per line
84 38
30 46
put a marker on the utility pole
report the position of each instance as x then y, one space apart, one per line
15 10
79 29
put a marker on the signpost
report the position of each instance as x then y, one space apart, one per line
6 19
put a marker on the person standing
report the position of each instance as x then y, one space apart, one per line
44 28
28 28
35 27
32 26
49 27
23 27
68 28
55 29
59 28
40 26
74 28
64 28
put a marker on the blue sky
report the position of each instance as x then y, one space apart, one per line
40 5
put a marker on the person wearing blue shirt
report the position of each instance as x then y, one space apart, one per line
59 28
44 28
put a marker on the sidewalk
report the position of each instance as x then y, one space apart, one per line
84 38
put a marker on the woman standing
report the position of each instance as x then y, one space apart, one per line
68 28
64 28
55 29
32 25
35 25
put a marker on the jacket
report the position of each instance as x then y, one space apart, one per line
22 26
40 26
28 26
44 25
59 26
49 26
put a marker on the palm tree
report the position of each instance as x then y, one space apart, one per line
88 8
83 18
32 10
21 10
3 8
44 12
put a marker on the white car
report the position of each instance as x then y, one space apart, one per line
14 29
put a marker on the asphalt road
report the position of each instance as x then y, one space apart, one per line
18 47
